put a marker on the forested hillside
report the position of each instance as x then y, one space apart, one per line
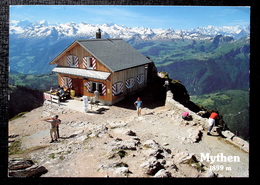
23 99
206 66
41 82
233 106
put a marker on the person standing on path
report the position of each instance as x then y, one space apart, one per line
212 119
138 105
54 124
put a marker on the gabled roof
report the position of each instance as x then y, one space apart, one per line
115 54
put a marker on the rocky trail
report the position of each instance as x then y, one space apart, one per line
118 143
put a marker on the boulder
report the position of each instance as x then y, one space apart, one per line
117 154
184 158
122 171
152 166
163 174
228 134
124 145
18 164
130 133
25 168
195 134
202 113
151 144
156 153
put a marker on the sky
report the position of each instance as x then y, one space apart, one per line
175 17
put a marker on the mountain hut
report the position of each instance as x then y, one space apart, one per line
111 66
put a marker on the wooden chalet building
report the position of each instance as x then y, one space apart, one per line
111 66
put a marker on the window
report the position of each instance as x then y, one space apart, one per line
89 62
130 82
96 86
93 86
66 81
117 88
140 79
73 61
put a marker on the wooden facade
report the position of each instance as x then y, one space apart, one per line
112 89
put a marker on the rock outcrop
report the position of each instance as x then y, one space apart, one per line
20 167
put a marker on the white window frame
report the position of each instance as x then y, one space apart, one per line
96 85
89 63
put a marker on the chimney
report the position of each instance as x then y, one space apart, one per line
98 34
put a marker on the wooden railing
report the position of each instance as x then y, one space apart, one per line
52 98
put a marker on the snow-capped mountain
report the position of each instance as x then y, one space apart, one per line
42 29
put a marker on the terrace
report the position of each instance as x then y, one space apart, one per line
80 104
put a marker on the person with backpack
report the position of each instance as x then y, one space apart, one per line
186 116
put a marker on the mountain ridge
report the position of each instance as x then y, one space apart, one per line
43 29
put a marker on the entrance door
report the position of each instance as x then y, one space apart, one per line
77 85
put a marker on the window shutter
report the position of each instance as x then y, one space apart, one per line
73 61
88 85
69 60
117 88
76 61
104 89
94 63
85 62
66 81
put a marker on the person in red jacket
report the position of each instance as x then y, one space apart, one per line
212 120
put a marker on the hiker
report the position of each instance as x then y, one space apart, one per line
186 116
54 124
212 119
138 105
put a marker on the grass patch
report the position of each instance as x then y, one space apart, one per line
147 147
52 156
15 148
21 114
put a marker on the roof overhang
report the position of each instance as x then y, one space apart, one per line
100 75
